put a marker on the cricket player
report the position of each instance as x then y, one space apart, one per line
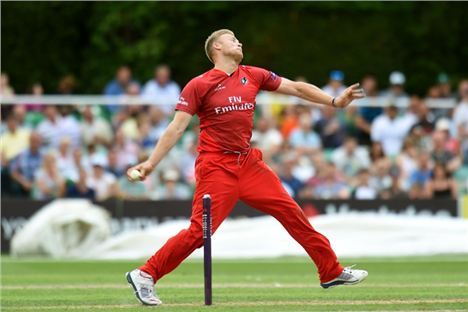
227 167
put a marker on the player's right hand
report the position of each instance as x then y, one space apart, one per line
145 169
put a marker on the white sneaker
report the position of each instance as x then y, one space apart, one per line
143 285
347 277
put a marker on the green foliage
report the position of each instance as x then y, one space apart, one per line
45 40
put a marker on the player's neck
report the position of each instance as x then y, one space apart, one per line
228 66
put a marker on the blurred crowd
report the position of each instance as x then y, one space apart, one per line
394 151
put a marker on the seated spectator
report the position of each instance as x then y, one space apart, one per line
350 158
363 189
70 125
52 128
407 163
440 153
162 90
335 85
48 181
14 140
441 184
397 86
303 138
95 129
78 187
171 187
67 85
187 164
118 85
24 166
102 182
328 185
266 137
460 114
126 149
287 176
354 125
65 161
5 88
390 130
329 128
370 86
419 179
381 179
425 119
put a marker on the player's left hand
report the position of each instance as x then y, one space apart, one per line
351 93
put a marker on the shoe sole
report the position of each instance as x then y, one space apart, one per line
130 281
338 283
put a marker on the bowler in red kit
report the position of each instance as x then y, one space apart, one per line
227 167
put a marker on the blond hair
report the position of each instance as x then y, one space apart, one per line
212 38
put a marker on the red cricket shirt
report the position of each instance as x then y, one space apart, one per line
225 105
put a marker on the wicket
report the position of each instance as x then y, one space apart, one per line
206 221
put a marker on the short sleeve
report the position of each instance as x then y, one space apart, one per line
189 100
267 80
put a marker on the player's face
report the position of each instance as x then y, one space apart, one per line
230 46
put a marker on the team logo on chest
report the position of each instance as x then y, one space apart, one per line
244 81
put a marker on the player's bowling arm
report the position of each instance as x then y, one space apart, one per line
168 139
304 91
314 94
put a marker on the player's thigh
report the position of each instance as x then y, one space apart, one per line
222 186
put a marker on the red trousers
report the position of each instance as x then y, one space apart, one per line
227 178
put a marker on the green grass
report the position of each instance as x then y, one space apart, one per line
283 284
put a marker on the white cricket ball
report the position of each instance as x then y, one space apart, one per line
135 175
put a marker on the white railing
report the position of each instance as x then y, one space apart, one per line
262 99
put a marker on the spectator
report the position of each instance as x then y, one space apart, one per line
51 129
303 138
330 186
443 82
287 176
419 179
94 129
48 181
329 128
67 85
407 163
363 190
79 188
162 90
370 86
24 166
390 130
266 137
441 184
335 85
102 182
460 114
114 166
397 86
14 140
440 152
171 187
118 85
350 158
5 88
126 149
354 125
36 90
381 179
65 161
71 128
425 119
187 164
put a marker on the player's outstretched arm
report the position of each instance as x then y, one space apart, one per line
311 93
168 139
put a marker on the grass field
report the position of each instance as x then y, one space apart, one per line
284 284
